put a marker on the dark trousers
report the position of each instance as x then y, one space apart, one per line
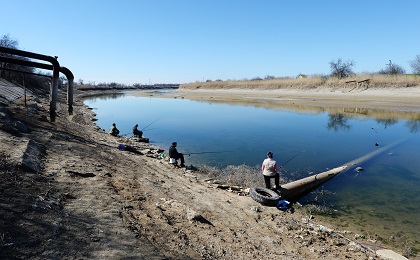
180 156
267 180
138 133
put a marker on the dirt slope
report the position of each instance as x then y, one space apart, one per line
90 200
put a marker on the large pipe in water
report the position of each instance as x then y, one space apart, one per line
295 190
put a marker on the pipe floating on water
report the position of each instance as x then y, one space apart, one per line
296 190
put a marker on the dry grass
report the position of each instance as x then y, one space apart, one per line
312 209
376 80
241 175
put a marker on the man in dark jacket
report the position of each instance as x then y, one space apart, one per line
137 132
173 153
114 130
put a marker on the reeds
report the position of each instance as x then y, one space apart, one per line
241 175
375 81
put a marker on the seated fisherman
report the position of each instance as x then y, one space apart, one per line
173 153
136 132
114 130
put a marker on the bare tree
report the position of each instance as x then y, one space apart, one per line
19 73
7 41
392 69
341 69
415 64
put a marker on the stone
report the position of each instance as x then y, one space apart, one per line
389 254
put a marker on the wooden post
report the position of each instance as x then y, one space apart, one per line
24 88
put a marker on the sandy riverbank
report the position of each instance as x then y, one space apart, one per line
404 100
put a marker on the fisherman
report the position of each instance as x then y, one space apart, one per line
173 153
114 130
136 132
269 170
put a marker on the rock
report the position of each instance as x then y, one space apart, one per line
192 215
20 126
31 159
10 129
223 186
389 254
236 188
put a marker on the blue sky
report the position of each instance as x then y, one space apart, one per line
181 41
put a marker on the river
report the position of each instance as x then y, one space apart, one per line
382 201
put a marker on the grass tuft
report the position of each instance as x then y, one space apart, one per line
241 175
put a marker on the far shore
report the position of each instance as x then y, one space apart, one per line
398 99
407 100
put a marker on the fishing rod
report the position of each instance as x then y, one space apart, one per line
144 130
151 129
206 152
291 159
151 123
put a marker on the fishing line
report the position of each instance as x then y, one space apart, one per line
151 129
151 123
291 159
206 152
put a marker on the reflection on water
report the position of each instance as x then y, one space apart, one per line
387 122
371 200
414 125
106 96
338 122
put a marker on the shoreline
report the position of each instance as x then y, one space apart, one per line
405 100
376 103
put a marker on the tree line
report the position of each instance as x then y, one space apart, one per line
343 69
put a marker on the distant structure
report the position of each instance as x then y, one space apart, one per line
301 76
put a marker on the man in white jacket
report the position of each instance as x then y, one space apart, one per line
269 170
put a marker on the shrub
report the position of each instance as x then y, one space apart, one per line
341 69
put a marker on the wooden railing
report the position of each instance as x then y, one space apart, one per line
359 83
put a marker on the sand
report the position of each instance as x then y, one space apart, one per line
384 99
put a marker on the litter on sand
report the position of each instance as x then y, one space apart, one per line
283 204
